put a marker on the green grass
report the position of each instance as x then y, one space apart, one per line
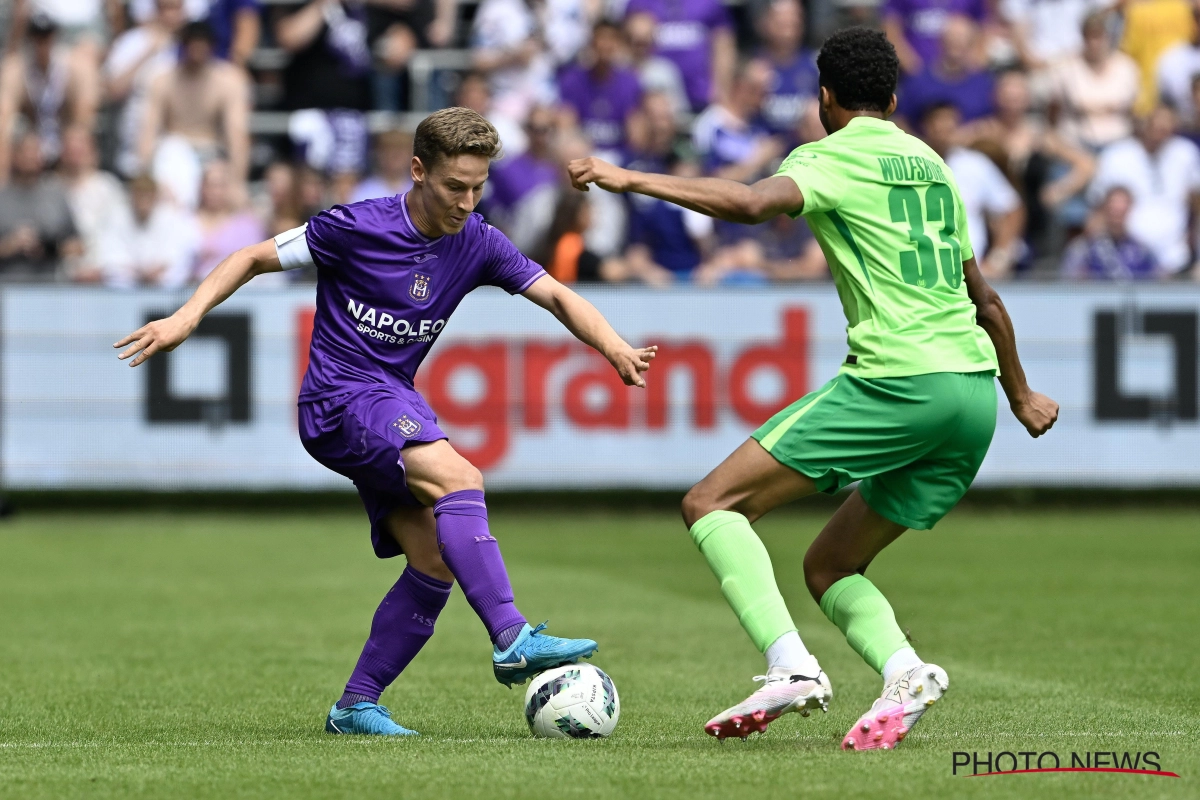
196 655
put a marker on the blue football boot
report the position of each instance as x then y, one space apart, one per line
367 718
535 652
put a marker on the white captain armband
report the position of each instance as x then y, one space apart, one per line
292 248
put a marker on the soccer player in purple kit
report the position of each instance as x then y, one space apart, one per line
390 272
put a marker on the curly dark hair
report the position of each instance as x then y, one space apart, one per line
860 67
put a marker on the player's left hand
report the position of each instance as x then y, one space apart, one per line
607 176
631 362
1036 412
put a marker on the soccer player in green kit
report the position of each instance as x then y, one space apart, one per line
910 414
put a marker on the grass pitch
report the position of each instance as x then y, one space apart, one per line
196 656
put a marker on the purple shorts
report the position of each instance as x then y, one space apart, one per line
360 435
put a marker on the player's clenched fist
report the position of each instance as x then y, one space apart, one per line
631 362
607 176
162 335
1037 413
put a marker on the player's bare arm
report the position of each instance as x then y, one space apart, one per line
1036 411
715 197
165 335
590 327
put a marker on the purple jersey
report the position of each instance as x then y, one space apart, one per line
794 85
685 31
385 291
602 103
923 21
971 94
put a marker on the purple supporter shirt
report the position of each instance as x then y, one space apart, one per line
923 21
602 104
794 85
972 94
385 291
684 35
513 178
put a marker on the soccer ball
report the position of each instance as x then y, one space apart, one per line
577 701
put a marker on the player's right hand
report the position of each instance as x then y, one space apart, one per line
607 176
162 335
1037 413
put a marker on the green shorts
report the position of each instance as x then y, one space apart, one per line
915 443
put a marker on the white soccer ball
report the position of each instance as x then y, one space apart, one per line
577 701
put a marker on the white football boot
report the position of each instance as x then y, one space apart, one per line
783 690
894 714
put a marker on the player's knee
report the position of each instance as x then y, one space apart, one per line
820 574
697 503
431 564
460 476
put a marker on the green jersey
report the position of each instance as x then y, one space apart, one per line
888 215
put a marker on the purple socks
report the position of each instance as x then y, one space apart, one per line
474 558
402 624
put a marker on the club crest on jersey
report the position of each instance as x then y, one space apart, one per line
407 426
418 290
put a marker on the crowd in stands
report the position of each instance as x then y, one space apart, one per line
135 149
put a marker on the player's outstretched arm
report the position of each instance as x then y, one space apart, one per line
165 335
715 197
590 327
1036 411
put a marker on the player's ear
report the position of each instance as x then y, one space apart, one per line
418 171
891 109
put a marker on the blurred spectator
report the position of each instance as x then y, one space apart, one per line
398 28
393 168
601 93
1151 28
607 216
698 37
951 78
473 93
1047 31
1177 71
995 216
915 28
794 83
731 137
518 45
524 189
45 87
195 111
568 259
136 57
1107 251
1161 171
655 73
223 227
85 25
330 62
97 199
154 245
1191 131
237 24
36 229
1049 172
1095 90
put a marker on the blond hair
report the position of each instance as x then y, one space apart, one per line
454 132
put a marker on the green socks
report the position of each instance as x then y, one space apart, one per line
737 557
865 617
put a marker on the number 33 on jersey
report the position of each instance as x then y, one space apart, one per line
887 212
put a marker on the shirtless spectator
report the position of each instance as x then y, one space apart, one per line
195 112
47 87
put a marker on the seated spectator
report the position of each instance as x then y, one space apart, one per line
1151 27
473 93
154 245
398 28
236 23
568 260
513 50
85 25
655 73
698 37
1095 91
1106 251
951 79
1049 172
995 216
273 199
36 229
97 199
393 168
731 137
1045 33
330 64
601 93
1177 70
794 85
782 249
915 27
136 58
524 190
196 111
45 87
223 227
1161 172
